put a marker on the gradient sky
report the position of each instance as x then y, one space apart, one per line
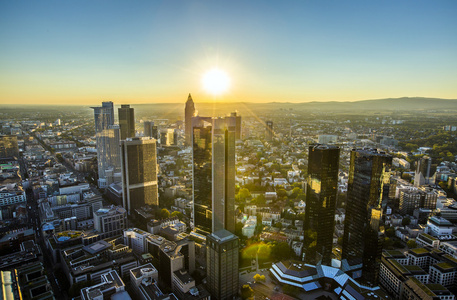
85 52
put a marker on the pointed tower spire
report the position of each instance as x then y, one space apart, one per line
189 112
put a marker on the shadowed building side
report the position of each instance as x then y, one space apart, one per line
364 227
320 208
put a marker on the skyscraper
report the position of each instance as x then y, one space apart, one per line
126 121
222 264
425 172
214 173
139 173
150 129
269 133
238 125
104 117
321 202
188 114
364 228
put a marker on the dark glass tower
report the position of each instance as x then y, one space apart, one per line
238 125
126 121
364 228
213 143
425 172
321 203
139 173
202 172
188 114
222 250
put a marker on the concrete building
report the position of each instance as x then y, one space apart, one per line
110 221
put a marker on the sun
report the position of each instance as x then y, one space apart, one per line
216 81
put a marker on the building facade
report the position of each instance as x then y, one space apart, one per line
213 143
363 228
222 264
321 202
139 173
126 121
189 112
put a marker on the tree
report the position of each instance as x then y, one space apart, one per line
411 244
246 291
406 221
258 277
278 225
177 214
281 193
280 251
164 213
244 193
390 232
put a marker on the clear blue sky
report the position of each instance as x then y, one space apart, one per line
70 52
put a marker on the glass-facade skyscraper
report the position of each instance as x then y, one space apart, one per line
222 250
213 152
321 203
126 121
104 118
364 227
139 173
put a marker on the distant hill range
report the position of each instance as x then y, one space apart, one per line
405 103
390 104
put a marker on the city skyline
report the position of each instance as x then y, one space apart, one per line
85 53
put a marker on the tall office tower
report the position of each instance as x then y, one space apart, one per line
238 125
222 264
104 117
202 152
112 172
126 121
425 172
150 129
363 227
8 146
188 114
269 133
321 202
213 143
139 173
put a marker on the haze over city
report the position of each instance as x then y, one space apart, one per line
84 52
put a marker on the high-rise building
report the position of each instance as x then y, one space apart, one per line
139 173
269 133
321 202
189 112
150 130
126 121
425 172
222 264
213 142
104 118
8 146
364 227
238 125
